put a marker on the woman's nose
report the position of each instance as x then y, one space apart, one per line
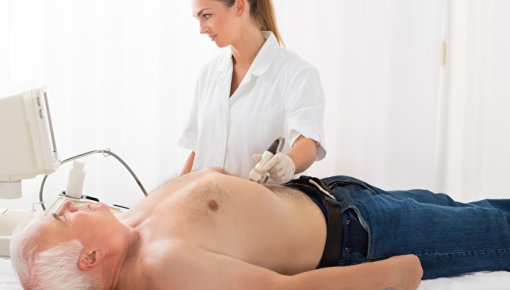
203 28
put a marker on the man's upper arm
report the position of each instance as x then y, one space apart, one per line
196 268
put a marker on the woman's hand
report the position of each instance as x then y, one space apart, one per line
280 168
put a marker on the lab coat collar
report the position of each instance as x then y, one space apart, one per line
262 61
266 54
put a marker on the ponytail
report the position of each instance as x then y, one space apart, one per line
262 12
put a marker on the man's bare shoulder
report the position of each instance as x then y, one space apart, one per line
176 265
163 261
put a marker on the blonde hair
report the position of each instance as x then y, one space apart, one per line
262 12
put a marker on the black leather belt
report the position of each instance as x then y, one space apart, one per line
332 249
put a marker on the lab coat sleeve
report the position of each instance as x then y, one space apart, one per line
305 108
189 136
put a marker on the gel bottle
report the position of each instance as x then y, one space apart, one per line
75 180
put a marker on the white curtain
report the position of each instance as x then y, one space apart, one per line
121 74
477 100
379 62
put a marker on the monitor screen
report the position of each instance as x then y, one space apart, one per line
27 146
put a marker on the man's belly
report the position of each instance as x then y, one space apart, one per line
283 231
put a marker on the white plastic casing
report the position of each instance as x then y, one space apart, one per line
257 173
27 146
75 180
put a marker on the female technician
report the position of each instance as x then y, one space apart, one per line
253 94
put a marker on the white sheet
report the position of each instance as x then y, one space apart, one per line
475 281
8 280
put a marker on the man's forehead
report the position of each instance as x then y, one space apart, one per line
49 230
48 221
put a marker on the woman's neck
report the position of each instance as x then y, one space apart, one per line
245 49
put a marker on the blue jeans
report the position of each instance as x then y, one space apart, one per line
449 237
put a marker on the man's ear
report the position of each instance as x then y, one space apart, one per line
89 260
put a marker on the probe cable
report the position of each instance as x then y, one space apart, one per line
105 153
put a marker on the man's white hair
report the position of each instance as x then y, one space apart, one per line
53 269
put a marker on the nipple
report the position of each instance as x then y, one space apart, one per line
213 205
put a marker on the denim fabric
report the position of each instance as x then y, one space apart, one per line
449 237
355 239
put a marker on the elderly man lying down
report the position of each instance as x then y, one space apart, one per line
208 230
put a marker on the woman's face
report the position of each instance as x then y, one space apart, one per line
216 20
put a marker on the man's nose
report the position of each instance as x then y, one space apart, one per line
67 206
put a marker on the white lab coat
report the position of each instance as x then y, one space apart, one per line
280 95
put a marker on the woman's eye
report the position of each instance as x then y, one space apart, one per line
207 16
